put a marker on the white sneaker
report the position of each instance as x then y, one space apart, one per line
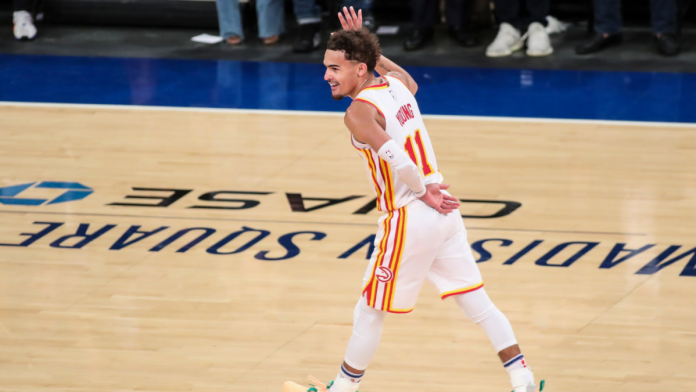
553 25
507 41
522 380
23 25
538 42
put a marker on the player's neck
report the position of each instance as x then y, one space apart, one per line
370 80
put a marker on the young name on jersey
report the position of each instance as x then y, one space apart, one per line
404 114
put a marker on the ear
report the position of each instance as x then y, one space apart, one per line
362 69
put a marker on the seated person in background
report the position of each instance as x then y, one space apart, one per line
271 17
426 14
24 28
308 15
510 39
607 15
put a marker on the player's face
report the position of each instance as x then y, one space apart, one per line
341 74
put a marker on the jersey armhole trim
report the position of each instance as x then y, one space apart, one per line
371 103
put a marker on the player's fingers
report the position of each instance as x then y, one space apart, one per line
360 17
444 186
448 197
344 24
445 210
451 203
350 15
355 15
348 18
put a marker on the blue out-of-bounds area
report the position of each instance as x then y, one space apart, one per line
586 95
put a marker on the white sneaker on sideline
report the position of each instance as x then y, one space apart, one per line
507 41
553 25
538 42
23 25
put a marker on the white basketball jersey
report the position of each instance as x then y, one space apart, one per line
405 125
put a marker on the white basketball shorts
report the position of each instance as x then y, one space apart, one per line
414 243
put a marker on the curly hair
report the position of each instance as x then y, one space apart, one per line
358 45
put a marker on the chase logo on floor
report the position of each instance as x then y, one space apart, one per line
72 191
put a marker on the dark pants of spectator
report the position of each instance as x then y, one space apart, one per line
608 16
426 13
308 11
24 5
510 11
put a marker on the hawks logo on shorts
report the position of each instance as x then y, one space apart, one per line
385 274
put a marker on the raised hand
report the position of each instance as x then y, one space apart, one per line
351 20
443 203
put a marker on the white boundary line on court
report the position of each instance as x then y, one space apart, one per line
319 113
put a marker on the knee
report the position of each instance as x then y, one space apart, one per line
366 314
477 306
488 312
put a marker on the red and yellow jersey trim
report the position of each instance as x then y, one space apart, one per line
395 252
389 195
395 261
370 289
400 311
367 101
380 86
461 291
373 173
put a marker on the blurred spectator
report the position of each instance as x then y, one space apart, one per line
271 17
510 39
24 28
308 15
608 22
426 14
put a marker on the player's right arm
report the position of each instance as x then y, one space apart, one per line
367 126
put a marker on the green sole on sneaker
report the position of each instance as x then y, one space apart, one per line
541 385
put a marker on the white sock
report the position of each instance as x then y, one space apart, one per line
350 376
344 382
515 363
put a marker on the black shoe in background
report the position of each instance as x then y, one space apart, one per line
308 38
464 37
418 39
668 44
599 42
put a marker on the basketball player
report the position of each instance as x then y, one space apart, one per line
421 235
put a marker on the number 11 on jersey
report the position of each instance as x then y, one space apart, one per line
426 169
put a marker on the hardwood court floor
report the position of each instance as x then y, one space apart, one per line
110 314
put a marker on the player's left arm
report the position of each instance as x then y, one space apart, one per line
351 20
390 68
